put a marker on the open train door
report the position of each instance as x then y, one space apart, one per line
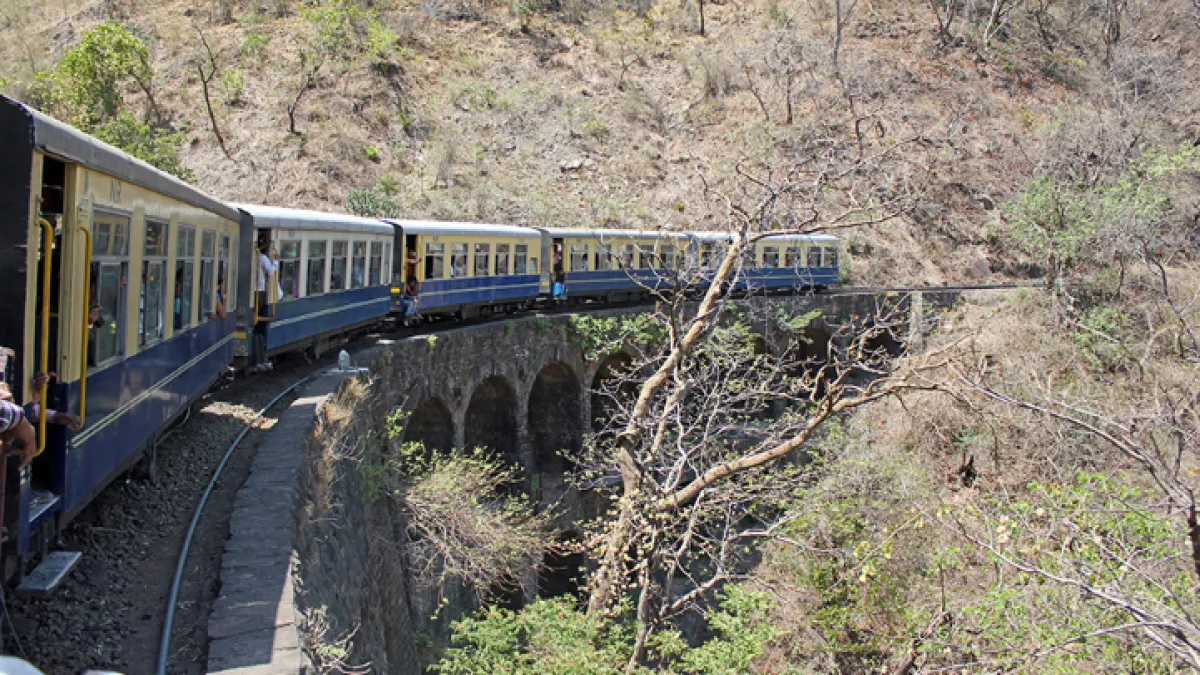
36 226
265 294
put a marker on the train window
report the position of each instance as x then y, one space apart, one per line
483 255
376 269
627 258
532 268
814 257
358 264
109 274
111 236
289 270
520 254
770 256
435 261
831 255
792 257
185 269
208 261
337 267
387 263
223 269
502 259
646 258
603 257
706 255
154 282
458 260
230 298
579 256
316 268
107 341
666 256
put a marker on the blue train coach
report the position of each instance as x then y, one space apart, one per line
325 274
119 279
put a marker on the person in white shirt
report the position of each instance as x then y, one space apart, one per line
268 265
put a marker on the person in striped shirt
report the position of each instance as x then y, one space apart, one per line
16 433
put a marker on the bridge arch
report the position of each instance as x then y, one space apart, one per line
491 419
431 424
611 387
555 418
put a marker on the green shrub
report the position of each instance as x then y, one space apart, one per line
148 143
368 203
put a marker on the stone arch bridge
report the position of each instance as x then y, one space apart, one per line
523 388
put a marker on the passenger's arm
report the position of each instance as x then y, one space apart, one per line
22 440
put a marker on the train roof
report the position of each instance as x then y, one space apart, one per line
818 238
63 140
599 232
438 227
280 218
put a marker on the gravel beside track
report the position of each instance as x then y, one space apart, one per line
108 614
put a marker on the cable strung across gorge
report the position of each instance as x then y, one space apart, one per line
169 619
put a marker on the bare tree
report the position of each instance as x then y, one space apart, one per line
690 466
944 12
842 11
206 77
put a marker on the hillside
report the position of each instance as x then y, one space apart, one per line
581 113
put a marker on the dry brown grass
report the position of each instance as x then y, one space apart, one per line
636 97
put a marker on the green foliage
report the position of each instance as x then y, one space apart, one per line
1124 215
796 323
543 323
387 185
1101 335
601 336
85 87
143 140
345 29
864 548
368 203
1049 221
254 48
1097 528
845 265
549 637
743 627
552 637
373 153
233 83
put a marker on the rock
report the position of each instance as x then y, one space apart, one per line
572 164
979 269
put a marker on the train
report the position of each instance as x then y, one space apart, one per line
139 291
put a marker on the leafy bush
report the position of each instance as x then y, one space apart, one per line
157 147
368 203
552 637
86 88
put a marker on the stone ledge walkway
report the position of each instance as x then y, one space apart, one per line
252 629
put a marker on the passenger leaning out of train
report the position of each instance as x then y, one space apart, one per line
268 265
16 433
32 409
411 302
